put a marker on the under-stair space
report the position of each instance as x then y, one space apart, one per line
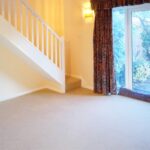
29 35
72 83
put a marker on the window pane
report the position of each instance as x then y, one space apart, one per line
119 45
141 50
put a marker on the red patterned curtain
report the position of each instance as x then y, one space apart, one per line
104 74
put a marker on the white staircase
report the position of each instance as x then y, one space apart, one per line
21 27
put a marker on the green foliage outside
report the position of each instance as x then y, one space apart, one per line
141 66
119 45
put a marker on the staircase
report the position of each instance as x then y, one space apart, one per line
30 36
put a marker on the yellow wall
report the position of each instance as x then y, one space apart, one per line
51 11
79 47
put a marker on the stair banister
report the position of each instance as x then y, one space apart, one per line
35 30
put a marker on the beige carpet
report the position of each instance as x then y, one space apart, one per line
79 120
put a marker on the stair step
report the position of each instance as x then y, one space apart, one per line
72 83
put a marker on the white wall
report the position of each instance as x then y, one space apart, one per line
16 76
79 39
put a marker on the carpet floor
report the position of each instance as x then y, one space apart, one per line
79 120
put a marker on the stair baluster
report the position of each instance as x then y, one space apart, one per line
22 17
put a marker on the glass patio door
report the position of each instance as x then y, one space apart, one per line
131 43
140 42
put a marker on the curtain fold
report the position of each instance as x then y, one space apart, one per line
104 74
103 55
